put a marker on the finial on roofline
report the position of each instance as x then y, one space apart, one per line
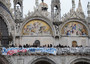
73 4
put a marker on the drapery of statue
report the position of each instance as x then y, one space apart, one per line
18 12
74 29
36 27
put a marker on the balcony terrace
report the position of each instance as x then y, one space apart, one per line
48 51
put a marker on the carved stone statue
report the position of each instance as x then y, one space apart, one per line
57 29
18 12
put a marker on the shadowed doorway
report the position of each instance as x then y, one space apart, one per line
4 36
42 62
81 63
36 43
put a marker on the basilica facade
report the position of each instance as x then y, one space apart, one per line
72 30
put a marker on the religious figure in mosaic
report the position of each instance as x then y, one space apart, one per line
74 28
36 27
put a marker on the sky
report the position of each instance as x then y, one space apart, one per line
66 5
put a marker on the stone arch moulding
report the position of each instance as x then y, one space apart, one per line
3 60
80 60
6 22
4 6
37 18
42 59
75 20
7 19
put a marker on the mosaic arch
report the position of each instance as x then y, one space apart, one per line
74 29
36 27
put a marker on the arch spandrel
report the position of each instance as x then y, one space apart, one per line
74 29
36 27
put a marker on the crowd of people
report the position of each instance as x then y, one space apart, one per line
48 46
27 45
